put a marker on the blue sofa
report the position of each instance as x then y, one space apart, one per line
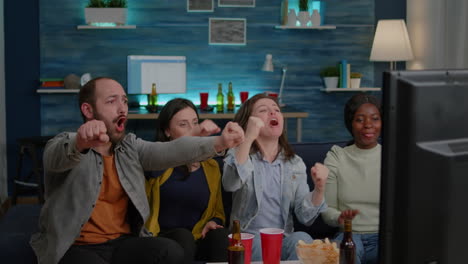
17 225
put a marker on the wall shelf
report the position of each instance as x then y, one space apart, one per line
56 91
110 27
306 27
363 89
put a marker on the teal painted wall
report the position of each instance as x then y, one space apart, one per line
165 28
27 27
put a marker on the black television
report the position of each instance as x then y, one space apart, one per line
424 186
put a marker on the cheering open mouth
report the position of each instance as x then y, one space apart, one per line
273 122
120 123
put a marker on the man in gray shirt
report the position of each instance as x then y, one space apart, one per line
96 204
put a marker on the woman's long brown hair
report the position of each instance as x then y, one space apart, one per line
242 118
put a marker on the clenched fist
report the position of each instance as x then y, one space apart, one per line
206 128
231 136
319 176
254 126
91 134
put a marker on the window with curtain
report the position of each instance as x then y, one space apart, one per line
438 30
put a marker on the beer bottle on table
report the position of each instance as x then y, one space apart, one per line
230 98
220 99
153 99
347 246
236 248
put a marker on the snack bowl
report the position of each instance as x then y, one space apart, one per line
318 252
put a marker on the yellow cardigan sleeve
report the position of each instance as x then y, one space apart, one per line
214 208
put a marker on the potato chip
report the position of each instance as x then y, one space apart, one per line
318 252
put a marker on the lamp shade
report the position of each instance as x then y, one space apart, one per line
391 41
268 64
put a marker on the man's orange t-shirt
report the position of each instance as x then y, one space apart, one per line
109 217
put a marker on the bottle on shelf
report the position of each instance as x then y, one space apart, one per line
231 99
315 18
284 12
347 246
153 99
236 248
220 99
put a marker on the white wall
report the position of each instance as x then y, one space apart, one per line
3 154
438 30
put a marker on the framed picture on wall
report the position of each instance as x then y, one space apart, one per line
200 5
227 31
236 3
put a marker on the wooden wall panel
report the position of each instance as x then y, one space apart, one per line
164 27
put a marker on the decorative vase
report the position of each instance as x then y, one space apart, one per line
292 18
355 82
330 82
106 15
315 18
303 18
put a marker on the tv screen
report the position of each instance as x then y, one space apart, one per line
424 187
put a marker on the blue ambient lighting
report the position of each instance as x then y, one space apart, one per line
103 24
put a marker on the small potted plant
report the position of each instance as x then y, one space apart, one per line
330 76
110 12
355 79
303 15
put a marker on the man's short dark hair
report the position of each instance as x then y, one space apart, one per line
87 94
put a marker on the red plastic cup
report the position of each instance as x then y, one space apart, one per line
244 96
272 94
272 241
247 240
203 100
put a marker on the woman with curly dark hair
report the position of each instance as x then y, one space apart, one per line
353 186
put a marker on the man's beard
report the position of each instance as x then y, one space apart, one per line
114 136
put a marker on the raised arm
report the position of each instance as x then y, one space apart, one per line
306 207
319 174
330 216
184 150
65 150
254 126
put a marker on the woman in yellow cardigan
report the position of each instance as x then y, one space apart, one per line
186 202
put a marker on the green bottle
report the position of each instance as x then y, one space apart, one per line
230 99
153 100
220 99
153 97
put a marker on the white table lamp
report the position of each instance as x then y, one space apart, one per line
391 42
268 67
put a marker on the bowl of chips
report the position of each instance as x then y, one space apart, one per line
318 252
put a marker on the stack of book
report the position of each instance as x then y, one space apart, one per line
51 83
345 74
